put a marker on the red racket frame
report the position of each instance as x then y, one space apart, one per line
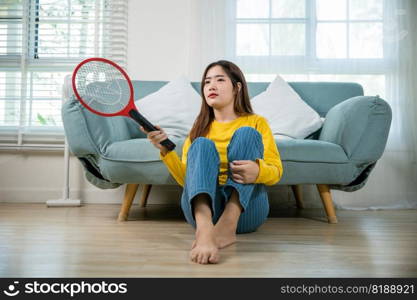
125 111
130 110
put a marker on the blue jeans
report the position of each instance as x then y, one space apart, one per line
203 164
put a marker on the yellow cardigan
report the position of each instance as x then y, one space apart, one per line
270 168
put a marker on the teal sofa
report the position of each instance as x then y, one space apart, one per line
340 155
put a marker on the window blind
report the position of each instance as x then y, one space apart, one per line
41 41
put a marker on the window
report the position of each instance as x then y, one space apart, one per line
266 27
309 40
41 41
349 29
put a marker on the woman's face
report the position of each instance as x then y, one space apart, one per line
218 88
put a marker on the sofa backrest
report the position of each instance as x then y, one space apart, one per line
321 96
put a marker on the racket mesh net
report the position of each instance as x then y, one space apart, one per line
102 87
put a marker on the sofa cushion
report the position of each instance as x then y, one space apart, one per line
138 150
285 111
297 150
141 150
174 107
137 161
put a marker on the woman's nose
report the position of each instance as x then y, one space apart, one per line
211 86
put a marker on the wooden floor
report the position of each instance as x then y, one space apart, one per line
36 241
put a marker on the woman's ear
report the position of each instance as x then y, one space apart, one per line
239 86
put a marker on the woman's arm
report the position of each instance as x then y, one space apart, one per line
175 166
270 167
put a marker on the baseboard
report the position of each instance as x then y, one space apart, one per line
279 197
158 195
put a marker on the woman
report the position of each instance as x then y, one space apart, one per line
227 159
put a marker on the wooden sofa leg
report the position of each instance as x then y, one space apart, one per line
131 189
298 194
326 198
145 194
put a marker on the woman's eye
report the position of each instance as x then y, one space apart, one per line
221 79
206 82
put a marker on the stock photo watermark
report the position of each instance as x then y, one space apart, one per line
72 289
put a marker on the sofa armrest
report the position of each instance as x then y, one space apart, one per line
360 125
79 139
88 133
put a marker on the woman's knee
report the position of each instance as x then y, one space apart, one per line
248 133
203 145
202 141
246 136
246 144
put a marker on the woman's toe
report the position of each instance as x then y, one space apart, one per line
213 258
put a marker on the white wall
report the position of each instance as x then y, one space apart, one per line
158 39
162 34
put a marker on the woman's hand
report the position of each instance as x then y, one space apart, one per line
244 171
156 137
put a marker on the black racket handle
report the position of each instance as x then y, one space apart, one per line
135 115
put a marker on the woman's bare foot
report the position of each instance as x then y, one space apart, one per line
204 249
225 228
224 234
222 237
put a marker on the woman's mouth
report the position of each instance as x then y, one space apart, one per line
212 95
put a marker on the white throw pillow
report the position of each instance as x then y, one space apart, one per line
285 111
174 107
282 137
